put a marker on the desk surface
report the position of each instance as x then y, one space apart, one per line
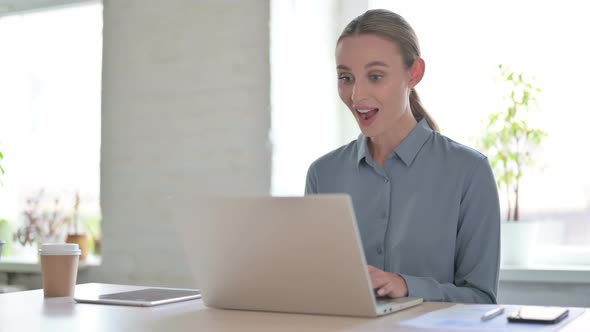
29 311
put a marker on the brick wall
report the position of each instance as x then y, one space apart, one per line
185 111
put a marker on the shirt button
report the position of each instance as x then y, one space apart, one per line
386 180
379 250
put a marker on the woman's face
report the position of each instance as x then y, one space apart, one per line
373 82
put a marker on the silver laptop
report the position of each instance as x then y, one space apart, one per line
146 297
296 254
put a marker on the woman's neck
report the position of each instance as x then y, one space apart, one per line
382 146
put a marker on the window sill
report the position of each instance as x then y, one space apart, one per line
529 273
551 263
570 274
31 264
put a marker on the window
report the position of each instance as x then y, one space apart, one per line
50 76
308 118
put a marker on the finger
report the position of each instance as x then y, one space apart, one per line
386 289
379 281
379 276
374 271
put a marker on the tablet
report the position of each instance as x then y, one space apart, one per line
146 297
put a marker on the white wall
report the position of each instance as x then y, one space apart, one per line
186 110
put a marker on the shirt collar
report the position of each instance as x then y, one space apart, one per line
407 150
363 149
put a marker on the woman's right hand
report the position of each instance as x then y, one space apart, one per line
387 284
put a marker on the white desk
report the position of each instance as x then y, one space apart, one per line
28 311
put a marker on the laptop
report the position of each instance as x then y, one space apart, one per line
146 297
282 254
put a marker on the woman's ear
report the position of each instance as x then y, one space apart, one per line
416 72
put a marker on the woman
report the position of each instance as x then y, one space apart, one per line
427 207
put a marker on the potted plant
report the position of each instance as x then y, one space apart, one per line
92 223
510 142
78 235
42 223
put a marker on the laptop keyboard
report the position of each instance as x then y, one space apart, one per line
383 299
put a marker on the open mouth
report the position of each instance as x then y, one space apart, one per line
366 114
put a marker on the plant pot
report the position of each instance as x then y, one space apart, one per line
97 246
517 239
82 241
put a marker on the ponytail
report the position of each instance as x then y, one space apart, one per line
418 110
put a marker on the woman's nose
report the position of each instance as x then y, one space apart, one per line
358 92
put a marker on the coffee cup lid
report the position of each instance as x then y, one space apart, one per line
54 249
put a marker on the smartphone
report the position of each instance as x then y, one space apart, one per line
540 315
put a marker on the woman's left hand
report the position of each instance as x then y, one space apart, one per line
388 284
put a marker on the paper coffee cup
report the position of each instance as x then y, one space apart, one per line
59 268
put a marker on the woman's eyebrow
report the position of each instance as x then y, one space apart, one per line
370 64
376 63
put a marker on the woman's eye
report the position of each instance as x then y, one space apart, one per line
375 77
345 79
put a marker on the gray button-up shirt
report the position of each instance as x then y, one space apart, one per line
432 214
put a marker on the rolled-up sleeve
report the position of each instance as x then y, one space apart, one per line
477 253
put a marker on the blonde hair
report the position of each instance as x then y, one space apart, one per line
395 28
